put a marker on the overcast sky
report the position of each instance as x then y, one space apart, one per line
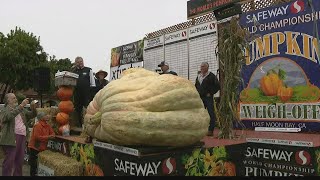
90 28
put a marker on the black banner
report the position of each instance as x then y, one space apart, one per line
197 8
165 163
127 54
213 161
278 160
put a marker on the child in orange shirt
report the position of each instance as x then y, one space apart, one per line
41 133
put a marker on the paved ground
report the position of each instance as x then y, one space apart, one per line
25 170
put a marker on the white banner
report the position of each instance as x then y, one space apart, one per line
280 142
116 148
115 72
176 36
150 43
44 170
201 29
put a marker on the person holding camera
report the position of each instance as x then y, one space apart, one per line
14 118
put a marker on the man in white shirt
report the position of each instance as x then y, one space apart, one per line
207 85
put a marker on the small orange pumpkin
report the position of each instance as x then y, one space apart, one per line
270 84
66 106
230 169
285 93
64 93
93 170
62 118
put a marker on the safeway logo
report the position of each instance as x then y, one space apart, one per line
297 6
303 158
212 26
169 166
184 33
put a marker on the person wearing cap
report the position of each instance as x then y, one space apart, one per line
100 79
101 82
165 68
40 135
14 133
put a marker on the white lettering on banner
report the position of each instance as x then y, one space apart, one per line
279 155
135 169
175 36
301 19
277 129
129 47
264 15
54 145
202 29
306 111
149 43
121 149
281 142
44 170
283 168
255 171
117 71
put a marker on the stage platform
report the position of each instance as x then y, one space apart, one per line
250 153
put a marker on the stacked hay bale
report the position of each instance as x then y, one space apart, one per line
61 164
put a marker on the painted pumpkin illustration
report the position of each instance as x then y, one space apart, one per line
285 93
223 169
270 84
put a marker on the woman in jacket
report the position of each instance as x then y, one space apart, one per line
41 133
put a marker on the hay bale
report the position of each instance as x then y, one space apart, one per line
61 164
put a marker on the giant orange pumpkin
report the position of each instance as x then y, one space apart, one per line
62 118
285 93
270 84
66 106
64 93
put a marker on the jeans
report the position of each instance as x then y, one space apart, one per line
33 162
208 104
14 157
8 162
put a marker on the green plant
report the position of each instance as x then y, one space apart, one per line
231 45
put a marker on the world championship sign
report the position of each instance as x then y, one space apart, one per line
282 68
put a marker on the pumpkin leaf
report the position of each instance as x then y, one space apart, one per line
193 171
282 74
184 159
196 153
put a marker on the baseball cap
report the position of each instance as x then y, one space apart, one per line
163 63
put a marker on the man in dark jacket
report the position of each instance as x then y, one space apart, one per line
165 68
83 89
207 85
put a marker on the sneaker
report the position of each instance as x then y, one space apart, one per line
210 133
